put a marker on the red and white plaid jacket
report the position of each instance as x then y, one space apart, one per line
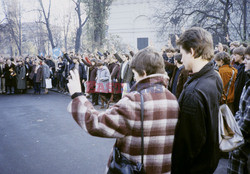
122 121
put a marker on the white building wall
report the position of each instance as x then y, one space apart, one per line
132 19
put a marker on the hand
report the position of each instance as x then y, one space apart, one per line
83 81
74 84
176 37
227 38
220 47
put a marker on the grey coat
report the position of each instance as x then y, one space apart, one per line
103 80
21 77
46 75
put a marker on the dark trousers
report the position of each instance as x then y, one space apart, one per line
10 85
95 98
37 86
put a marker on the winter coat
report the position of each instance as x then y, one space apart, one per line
10 74
90 84
196 141
241 79
127 74
181 80
116 85
122 121
103 81
46 75
21 77
226 73
39 74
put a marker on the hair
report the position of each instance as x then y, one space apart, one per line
148 60
235 43
99 63
247 50
199 40
239 50
170 49
178 57
226 48
244 44
127 56
177 50
225 57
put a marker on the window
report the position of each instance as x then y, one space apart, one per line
142 43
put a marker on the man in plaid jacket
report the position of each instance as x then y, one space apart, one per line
122 121
237 163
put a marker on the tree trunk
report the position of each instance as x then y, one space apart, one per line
50 35
78 39
244 20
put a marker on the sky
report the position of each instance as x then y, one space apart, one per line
29 14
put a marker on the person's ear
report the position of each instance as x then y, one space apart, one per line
192 52
144 73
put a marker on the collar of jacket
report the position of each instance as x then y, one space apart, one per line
149 81
208 67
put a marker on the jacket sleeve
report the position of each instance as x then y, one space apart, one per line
190 135
84 74
106 77
129 75
66 56
112 123
243 117
118 57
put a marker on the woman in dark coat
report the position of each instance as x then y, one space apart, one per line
37 76
91 80
10 77
21 76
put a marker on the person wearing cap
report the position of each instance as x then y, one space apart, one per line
2 76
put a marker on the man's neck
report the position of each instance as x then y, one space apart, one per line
199 63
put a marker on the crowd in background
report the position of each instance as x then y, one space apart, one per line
107 76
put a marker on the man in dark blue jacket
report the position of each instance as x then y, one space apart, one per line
196 146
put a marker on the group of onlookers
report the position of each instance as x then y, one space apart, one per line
179 137
199 79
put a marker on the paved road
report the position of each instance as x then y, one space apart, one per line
38 136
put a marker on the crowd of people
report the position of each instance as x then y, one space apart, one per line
180 137
197 75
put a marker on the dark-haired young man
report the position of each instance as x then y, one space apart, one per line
196 146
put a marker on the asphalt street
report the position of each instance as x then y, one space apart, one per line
39 136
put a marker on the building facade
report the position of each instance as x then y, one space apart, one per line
132 20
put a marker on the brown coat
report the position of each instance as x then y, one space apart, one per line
39 74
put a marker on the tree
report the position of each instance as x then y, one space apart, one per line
66 24
47 22
80 25
98 14
12 12
212 15
239 21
